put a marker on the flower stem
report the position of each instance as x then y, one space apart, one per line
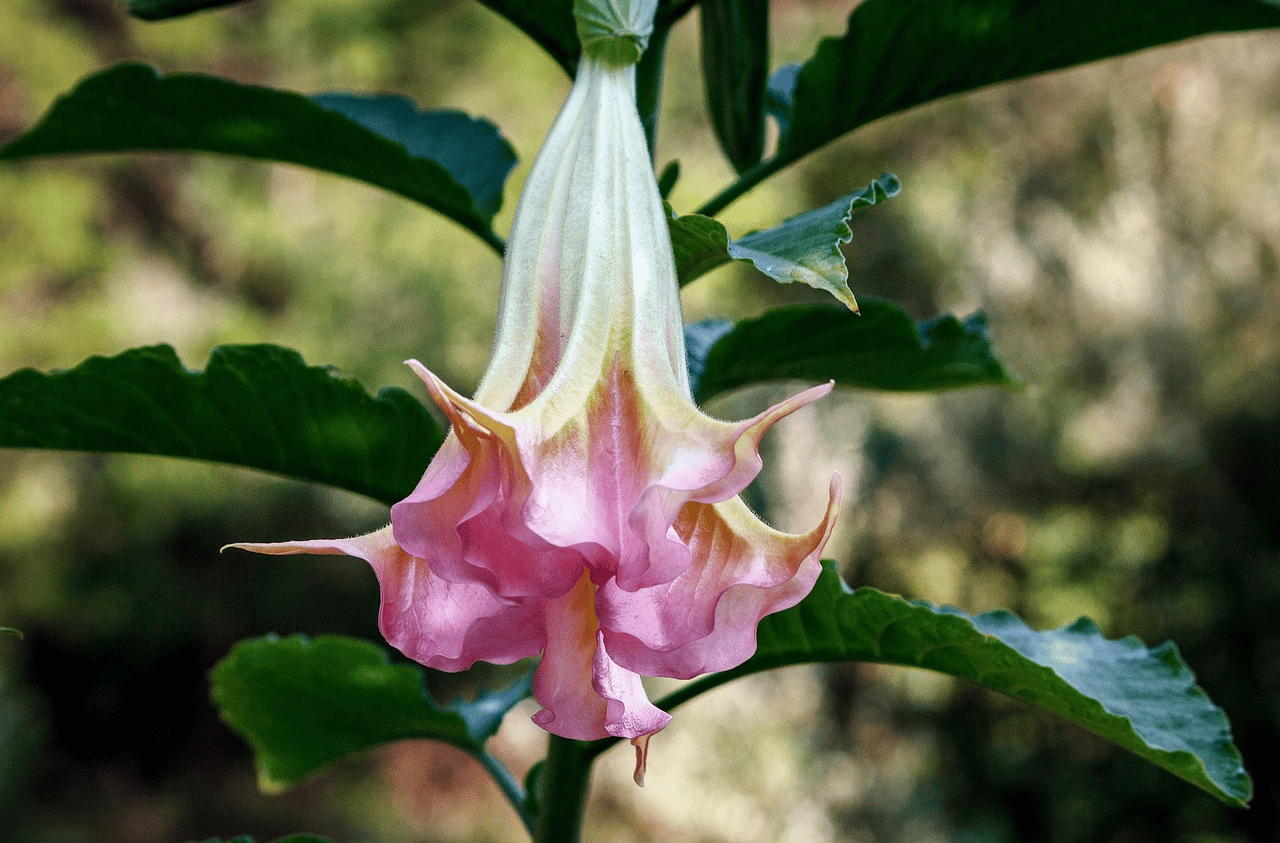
508 785
562 791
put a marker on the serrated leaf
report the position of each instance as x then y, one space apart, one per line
804 248
453 164
164 9
880 348
735 69
897 54
1142 699
304 703
258 406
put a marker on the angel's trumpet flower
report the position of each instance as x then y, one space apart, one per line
582 508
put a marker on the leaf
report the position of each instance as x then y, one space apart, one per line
879 349
1144 700
258 406
303 704
549 23
805 248
6 630
735 70
163 9
898 54
456 165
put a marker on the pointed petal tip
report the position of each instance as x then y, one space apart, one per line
642 757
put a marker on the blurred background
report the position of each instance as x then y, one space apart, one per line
1120 225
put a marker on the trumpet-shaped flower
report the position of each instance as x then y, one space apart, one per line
582 508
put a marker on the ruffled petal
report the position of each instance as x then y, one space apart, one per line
444 625
705 621
584 694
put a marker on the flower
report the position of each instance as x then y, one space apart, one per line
582 508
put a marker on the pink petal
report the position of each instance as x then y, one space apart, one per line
705 621
444 625
584 694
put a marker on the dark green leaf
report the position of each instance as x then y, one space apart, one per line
453 164
735 69
879 349
548 22
162 9
258 406
1144 700
303 704
900 53
668 178
805 248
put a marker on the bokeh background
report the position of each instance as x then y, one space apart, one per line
1120 225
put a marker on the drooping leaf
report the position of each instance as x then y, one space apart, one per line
163 9
304 703
549 23
258 406
445 160
735 70
881 348
898 54
1143 699
804 249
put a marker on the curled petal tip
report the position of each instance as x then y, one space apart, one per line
642 757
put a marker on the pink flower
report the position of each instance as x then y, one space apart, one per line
583 509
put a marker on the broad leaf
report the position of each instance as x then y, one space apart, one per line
900 53
735 70
445 160
303 704
881 348
805 248
163 9
548 22
258 406
1142 699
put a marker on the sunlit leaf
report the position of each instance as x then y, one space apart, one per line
303 704
258 406
898 54
881 348
1143 699
445 160
804 249
735 69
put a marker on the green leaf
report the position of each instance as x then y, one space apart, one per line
548 22
1144 700
805 248
258 406
879 349
162 9
735 70
445 160
303 704
898 54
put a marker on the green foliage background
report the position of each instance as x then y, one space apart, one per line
1118 224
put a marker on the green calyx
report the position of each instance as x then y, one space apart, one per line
615 31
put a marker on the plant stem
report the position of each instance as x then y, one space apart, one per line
508 785
649 83
744 182
562 791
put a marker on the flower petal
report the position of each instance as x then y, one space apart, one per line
705 621
444 625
